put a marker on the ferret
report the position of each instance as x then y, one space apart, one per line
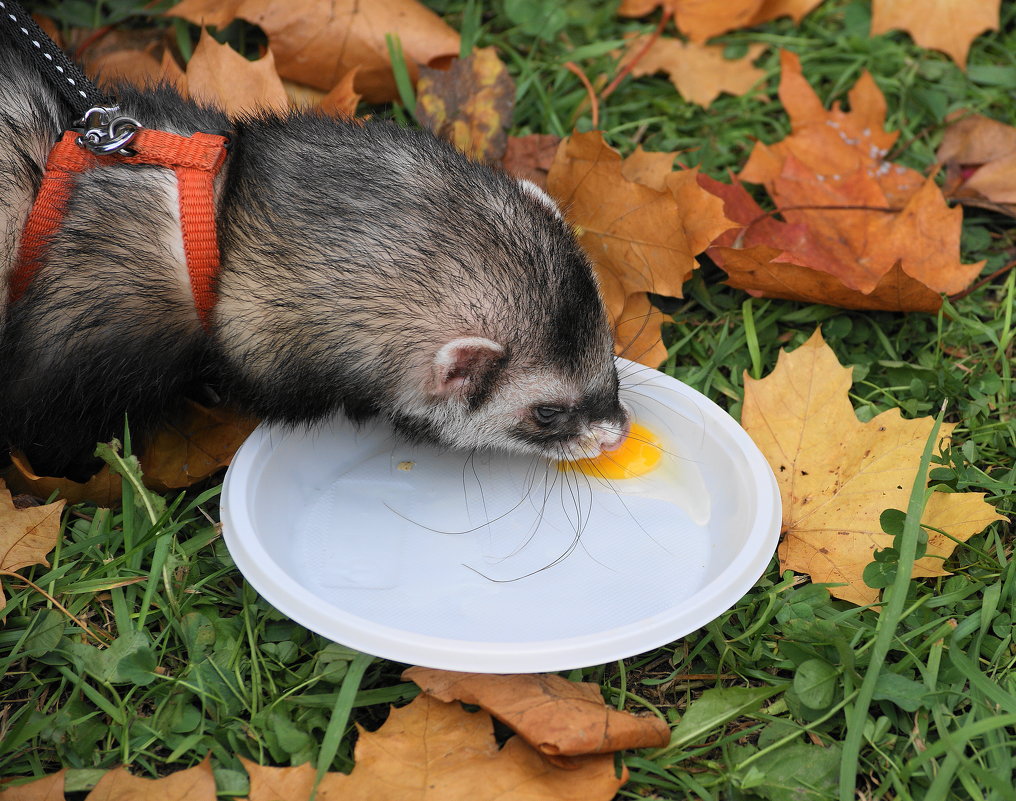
365 268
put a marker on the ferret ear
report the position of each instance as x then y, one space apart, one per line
465 366
533 190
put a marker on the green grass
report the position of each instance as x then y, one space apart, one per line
789 689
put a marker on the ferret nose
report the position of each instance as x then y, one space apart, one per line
612 438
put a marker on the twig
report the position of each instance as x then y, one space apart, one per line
627 68
572 67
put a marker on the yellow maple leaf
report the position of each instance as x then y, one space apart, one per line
26 535
837 475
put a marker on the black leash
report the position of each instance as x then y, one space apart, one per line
103 130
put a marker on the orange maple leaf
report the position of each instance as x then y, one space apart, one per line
837 475
946 25
641 223
858 231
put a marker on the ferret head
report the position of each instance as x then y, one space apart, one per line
528 365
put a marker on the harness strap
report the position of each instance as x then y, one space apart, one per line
196 160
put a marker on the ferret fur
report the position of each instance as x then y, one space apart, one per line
365 268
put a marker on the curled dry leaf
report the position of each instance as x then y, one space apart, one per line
837 475
192 784
26 535
859 232
552 714
946 25
433 751
317 43
219 76
470 104
700 20
979 155
641 223
699 72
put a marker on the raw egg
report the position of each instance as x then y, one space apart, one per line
637 455
646 464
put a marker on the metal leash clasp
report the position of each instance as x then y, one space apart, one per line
105 131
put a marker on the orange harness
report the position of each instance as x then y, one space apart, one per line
196 160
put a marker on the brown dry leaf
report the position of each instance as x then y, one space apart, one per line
470 104
193 784
316 42
47 788
774 9
837 475
642 235
552 714
638 331
946 25
202 443
699 72
113 55
531 157
219 76
979 155
26 535
102 489
433 751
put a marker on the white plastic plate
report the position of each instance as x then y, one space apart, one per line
503 564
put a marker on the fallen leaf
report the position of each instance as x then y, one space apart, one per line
46 788
113 55
699 72
833 143
552 714
699 20
433 751
201 444
946 25
638 331
641 238
317 43
855 258
470 104
221 77
857 231
102 489
342 99
26 535
979 155
193 784
837 475
531 157
774 9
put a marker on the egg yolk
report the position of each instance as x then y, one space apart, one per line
637 455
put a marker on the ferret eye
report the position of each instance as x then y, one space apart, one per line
546 415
